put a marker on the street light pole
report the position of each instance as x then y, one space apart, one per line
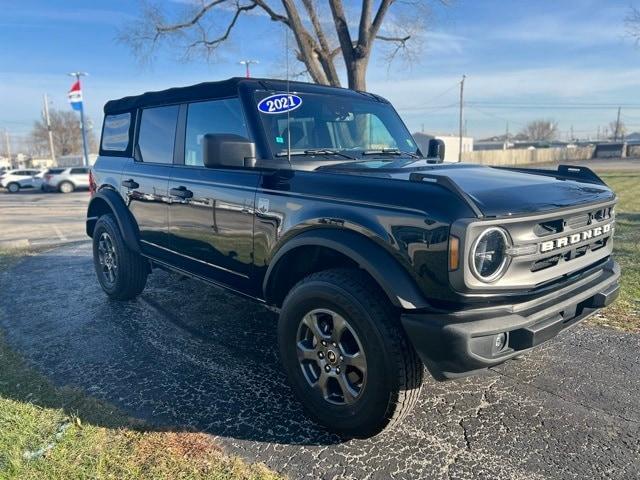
50 132
460 119
247 68
77 75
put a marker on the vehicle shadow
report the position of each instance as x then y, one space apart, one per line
183 356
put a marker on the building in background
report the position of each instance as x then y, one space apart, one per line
451 145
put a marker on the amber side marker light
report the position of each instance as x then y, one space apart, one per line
454 253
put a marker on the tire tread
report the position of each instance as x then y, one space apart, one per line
365 291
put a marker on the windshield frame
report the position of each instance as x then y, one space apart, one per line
401 131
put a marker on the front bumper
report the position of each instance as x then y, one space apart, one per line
459 343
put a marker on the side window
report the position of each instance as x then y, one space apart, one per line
216 116
78 171
157 134
115 132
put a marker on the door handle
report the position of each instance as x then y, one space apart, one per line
130 183
181 192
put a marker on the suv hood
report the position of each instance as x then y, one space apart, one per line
497 192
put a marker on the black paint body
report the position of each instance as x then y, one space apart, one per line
241 222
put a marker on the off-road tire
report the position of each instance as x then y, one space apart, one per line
13 187
394 370
132 268
66 187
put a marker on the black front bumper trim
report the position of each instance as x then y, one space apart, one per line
461 343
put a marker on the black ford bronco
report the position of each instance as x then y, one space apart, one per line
379 258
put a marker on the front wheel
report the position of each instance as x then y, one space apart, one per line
122 273
347 357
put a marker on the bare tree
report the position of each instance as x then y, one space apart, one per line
632 22
67 137
540 130
618 130
204 26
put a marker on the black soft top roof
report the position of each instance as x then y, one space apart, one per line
221 89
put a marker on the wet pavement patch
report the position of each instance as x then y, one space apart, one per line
187 356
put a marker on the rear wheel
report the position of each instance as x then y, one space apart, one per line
347 357
66 187
13 187
122 273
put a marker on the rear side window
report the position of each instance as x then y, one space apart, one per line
216 116
115 133
79 171
157 134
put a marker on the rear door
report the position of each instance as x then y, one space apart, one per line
145 180
80 177
211 210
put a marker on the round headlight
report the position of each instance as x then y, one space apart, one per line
489 254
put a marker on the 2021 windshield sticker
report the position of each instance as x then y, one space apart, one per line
279 103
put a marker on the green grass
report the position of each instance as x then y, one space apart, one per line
625 312
61 433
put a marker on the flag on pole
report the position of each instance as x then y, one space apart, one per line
75 96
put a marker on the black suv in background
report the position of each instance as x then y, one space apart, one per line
379 258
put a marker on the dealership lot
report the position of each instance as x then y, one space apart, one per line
568 410
186 356
36 219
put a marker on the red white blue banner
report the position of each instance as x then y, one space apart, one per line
75 96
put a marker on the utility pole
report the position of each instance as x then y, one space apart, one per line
460 120
247 68
8 142
77 75
615 135
506 137
49 130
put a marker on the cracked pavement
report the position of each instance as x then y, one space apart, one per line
185 355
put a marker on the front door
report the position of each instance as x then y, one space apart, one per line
211 210
145 181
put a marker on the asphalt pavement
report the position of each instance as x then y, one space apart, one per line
36 219
185 355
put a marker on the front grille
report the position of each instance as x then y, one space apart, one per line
546 247
565 227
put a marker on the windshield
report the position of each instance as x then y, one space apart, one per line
320 124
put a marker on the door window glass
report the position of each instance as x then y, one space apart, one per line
78 171
158 134
216 116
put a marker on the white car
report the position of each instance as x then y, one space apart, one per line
66 180
14 180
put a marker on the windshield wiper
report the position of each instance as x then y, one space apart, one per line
316 151
390 151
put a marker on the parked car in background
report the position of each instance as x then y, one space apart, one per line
14 180
66 180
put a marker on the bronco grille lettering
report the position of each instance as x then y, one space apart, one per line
575 238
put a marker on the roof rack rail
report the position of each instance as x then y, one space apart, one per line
565 172
450 185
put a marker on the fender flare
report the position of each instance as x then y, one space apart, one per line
395 281
126 222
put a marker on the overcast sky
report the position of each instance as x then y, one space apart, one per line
565 60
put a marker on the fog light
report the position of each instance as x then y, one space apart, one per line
499 342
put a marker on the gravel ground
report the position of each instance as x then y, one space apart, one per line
186 355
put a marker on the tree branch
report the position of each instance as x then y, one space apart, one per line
210 44
324 51
379 18
342 29
160 29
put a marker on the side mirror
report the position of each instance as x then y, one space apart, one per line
436 149
227 150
